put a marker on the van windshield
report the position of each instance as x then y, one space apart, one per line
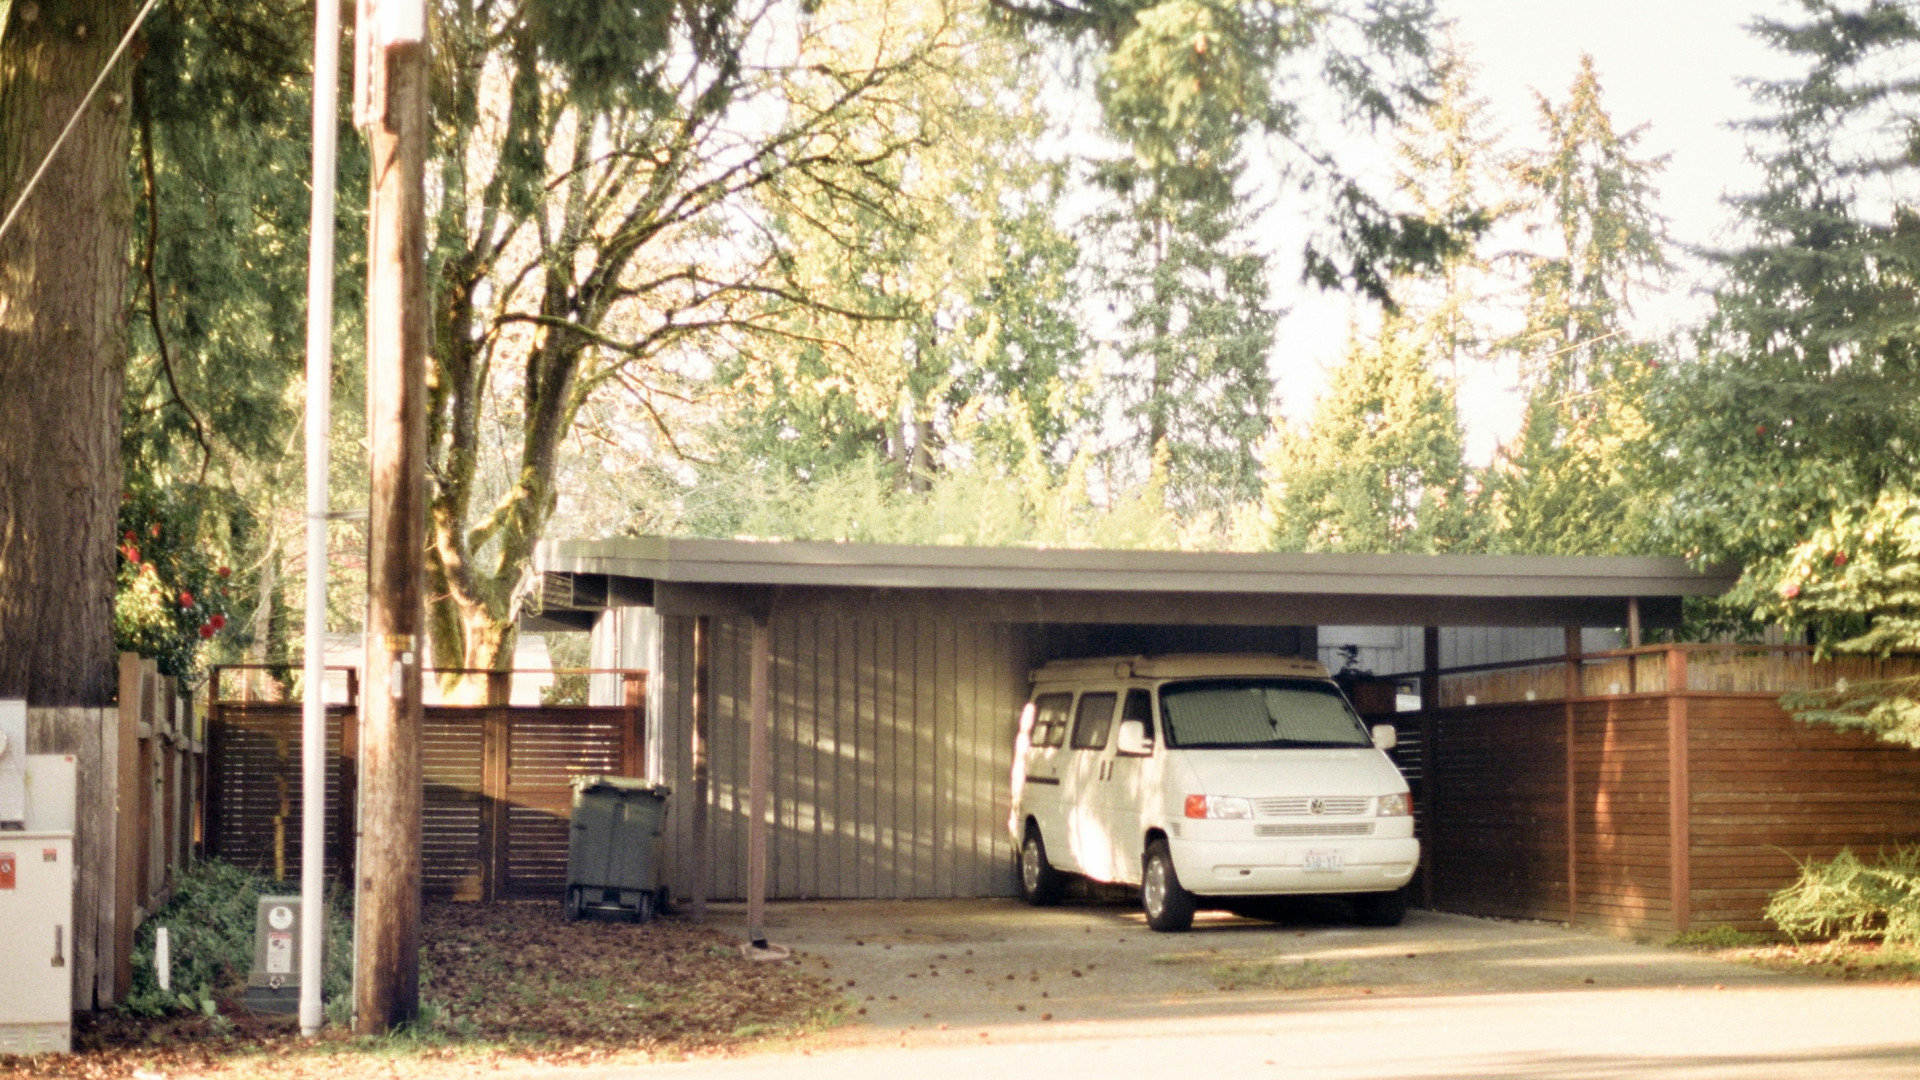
1257 713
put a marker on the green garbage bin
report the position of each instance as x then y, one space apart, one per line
613 847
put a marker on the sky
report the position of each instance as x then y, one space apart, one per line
1676 67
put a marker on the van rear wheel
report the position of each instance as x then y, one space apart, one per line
1040 884
1169 906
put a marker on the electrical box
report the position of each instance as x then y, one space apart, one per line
36 904
274 984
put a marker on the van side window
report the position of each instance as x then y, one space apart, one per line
1091 721
1050 719
1139 707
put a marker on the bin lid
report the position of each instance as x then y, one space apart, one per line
620 783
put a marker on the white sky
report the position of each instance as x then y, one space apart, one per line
1675 66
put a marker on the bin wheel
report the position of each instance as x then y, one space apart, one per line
576 898
643 909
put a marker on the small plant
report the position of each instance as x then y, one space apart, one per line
1847 899
1719 937
210 922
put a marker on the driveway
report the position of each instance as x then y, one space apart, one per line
964 963
972 989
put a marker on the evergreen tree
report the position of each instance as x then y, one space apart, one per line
1379 469
1195 328
1796 437
1572 485
1451 169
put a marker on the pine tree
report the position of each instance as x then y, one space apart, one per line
1571 485
1379 469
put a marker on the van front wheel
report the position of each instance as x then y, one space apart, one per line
1040 884
1169 906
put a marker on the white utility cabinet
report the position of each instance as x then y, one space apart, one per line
36 902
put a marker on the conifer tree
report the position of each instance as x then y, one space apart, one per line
1796 438
1571 484
1379 468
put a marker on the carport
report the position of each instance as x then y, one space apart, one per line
837 720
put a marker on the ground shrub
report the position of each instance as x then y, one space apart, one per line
1848 899
1718 937
210 921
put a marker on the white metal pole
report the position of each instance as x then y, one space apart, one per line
313 733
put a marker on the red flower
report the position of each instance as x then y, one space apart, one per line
1760 429
127 536
217 621
1790 591
1839 558
206 630
186 599
132 553
155 529
225 572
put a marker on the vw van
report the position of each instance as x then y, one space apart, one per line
1208 779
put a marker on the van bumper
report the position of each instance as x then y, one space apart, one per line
1268 867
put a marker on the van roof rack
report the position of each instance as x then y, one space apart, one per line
1177 666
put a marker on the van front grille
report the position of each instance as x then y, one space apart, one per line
1300 806
1345 828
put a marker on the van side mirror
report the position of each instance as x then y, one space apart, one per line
1133 739
1385 737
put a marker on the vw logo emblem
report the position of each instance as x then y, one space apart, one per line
1316 806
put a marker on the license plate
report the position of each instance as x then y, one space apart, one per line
1322 860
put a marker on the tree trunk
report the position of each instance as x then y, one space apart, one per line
63 275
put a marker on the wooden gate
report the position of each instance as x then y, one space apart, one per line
498 787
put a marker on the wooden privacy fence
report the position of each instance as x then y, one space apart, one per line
498 785
1668 792
140 772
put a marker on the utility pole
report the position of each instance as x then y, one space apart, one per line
391 95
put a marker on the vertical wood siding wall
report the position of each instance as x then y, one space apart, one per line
892 742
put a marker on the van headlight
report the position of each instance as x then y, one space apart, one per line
1218 806
1399 805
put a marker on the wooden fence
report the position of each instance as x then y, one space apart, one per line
1655 805
498 786
141 770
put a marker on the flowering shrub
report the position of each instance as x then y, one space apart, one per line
170 591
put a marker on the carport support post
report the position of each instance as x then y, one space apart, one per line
757 752
701 881
1429 757
1573 804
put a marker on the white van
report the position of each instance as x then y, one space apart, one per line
1216 776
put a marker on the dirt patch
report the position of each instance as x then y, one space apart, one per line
503 984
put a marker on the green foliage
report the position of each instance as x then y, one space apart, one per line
1806 400
1718 937
1189 85
1574 485
1379 468
171 591
1848 899
210 922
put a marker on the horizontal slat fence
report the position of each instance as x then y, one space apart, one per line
497 783
1670 792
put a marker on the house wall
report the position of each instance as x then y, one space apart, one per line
891 750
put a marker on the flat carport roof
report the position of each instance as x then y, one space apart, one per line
1048 585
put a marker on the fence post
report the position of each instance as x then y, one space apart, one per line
495 737
1679 793
1430 756
633 735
